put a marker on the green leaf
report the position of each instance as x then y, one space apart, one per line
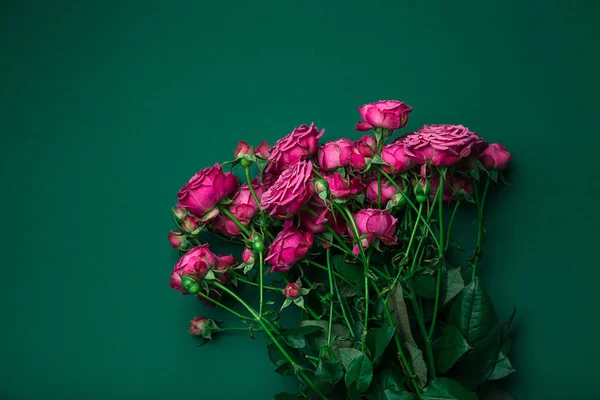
473 313
329 371
454 285
446 389
348 355
378 339
425 286
359 375
399 312
417 363
503 367
295 341
390 394
449 348
352 272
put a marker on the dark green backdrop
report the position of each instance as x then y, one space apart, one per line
107 108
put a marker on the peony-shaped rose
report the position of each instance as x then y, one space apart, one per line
195 264
297 146
242 206
342 188
288 194
396 157
386 114
442 145
363 152
495 157
205 190
289 246
335 154
374 224
292 290
387 191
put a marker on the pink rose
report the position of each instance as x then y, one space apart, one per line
248 256
195 263
289 246
289 193
387 191
292 290
198 326
442 145
342 188
242 206
434 186
315 220
386 114
495 157
395 156
205 190
243 149
263 150
362 152
454 185
371 224
297 146
224 262
335 154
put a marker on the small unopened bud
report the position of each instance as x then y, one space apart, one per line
179 213
189 224
422 190
322 189
178 240
257 241
243 149
189 284
263 150
398 200
292 290
248 256
202 327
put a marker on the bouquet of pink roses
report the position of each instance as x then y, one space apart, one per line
360 235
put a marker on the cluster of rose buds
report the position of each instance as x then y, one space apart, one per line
302 186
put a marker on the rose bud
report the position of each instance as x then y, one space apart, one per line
189 224
460 185
288 194
224 262
297 146
257 242
205 190
422 190
202 327
386 114
394 155
248 256
263 150
495 157
398 200
335 154
243 149
292 290
371 224
342 188
442 145
387 191
289 246
189 285
195 264
363 152
177 238
179 214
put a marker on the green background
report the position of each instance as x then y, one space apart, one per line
107 108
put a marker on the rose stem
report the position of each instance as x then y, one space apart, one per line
441 253
480 232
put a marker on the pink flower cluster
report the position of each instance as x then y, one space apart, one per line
303 186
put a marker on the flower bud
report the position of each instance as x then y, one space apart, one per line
292 290
197 326
263 150
189 224
322 189
179 213
398 200
243 149
178 240
257 241
189 284
248 256
422 190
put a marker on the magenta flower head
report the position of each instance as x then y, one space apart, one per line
292 290
495 157
248 256
193 265
189 224
335 154
363 151
442 145
374 224
242 206
386 114
288 194
263 150
342 188
289 246
297 146
205 190
243 149
387 191
395 156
